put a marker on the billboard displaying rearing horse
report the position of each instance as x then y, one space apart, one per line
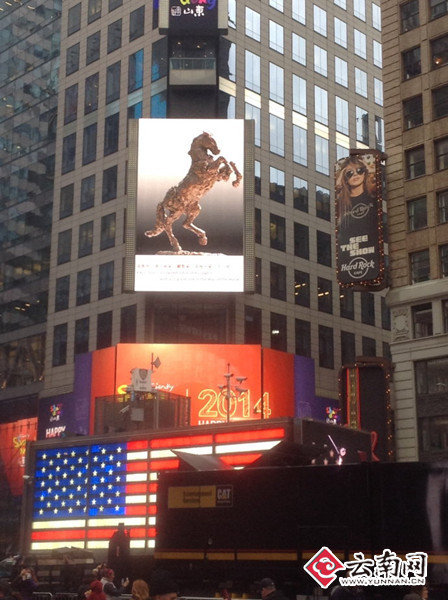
187 213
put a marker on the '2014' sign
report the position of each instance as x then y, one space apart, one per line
230 405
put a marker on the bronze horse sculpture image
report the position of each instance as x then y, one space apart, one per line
183 199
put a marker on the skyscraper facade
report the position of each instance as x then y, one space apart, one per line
415 72
309 75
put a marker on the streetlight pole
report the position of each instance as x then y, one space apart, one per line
228 388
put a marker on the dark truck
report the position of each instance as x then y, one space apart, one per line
269 521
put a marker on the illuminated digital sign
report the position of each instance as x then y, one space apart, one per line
359 220
189 16
187 228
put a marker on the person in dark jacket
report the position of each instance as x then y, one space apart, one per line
269 590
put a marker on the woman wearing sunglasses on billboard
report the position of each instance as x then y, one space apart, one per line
355 188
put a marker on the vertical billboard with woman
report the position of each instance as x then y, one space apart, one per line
360 220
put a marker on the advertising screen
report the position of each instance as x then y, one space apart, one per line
191 16
13 443
188 231
359 220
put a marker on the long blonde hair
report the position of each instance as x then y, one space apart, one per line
140 590
342 190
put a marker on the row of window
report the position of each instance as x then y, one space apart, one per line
412 58
420 264
417 211
114 40
87 192
84 286
104 321
302 336
413 107
422 318
415 163
298 11
86 239
112 87
410 13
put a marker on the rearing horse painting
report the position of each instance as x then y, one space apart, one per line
184 198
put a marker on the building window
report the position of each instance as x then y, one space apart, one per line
320 21
278 281
367 308
113 76
368 346
252 24
419 266
278 4
60 345
301 241
106 280
360 43
278 332
113 4
348 348
299 49
159 59
441 154
136 23
158 106
277 185
300 149
74 19
340 32
83 286
111 129
409 15
385 314
346 303
341 3
422 320
432 376
324 295
439 52
438 8
68 153
66 201
89 144
258 282
377 54
93 10
360 82
109 184
323 241
71 104
299 94
253 72
340 71
440 102
320 60
87 193
91 93
128 324
322 155
254 113
257 173
85 244
300 193
323 209
303 337
442 205
135 71
299 11
62 293
359 9
415 162
378 91
107 231
276 135
443 253
232 13
64 246
276 36
276 86
411 63
277 232
257 226
104 330
379 133
320 105
342 120
114 36
417 214
302 288
81 336
445 315
72 59
376 16
326 347
93 47
413 112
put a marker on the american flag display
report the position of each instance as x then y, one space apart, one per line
81 492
